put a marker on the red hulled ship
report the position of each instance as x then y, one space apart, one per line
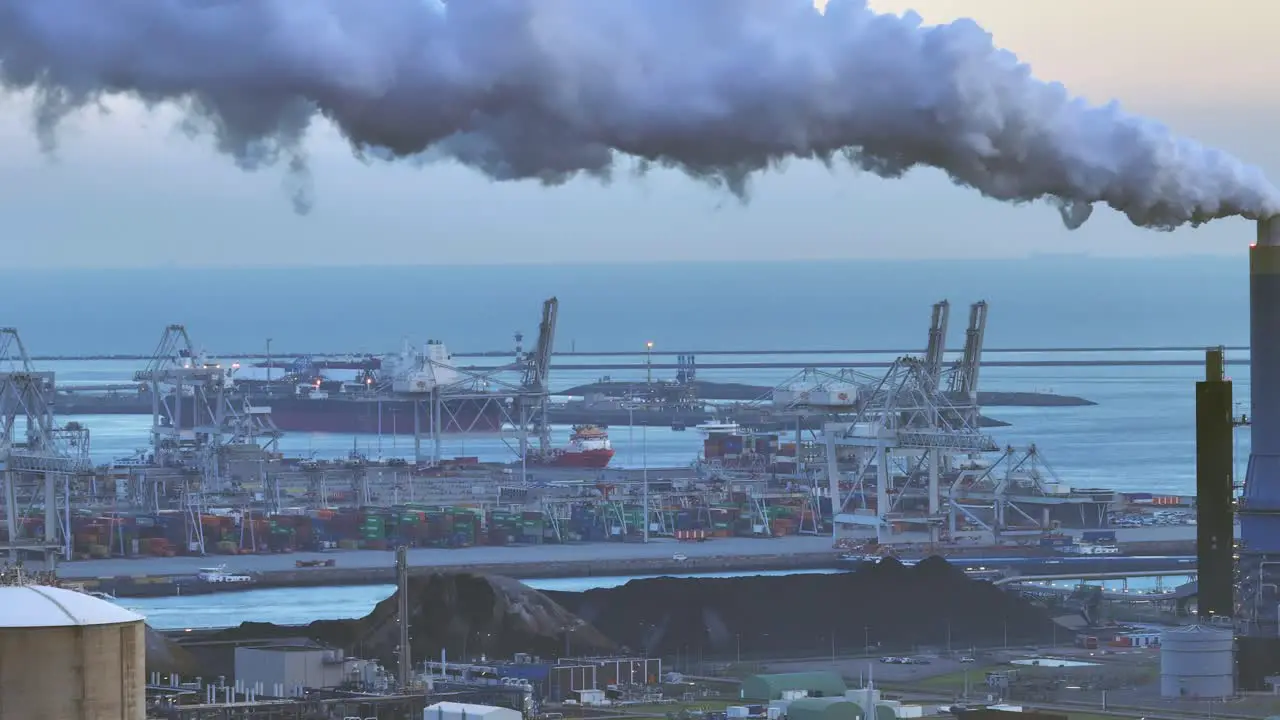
589 447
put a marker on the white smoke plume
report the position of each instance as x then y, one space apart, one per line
551 89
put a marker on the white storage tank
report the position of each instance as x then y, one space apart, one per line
65 655
1197 662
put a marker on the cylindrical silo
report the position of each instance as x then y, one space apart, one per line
65 655
1197 662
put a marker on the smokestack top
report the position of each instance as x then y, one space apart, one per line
1269 231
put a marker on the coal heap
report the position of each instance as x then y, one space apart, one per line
888 605
465 614
165 656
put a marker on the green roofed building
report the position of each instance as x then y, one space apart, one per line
771 687
824 708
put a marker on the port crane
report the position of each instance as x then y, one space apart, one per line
537 376
194 409
522 401
38 458
195 416
904 429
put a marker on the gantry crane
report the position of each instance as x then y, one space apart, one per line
38 460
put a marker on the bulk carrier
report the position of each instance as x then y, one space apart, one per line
372 400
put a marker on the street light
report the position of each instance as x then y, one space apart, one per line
648 362
644 475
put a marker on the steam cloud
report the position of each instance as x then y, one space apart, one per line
550 89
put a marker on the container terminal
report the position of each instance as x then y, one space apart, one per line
876 464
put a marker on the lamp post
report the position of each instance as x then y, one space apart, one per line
644 441
644 475
648 363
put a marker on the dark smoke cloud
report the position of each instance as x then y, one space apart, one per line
553 89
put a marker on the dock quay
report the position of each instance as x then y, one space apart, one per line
151 577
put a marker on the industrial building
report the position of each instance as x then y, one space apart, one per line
565 679
1258 568
65 655
288 670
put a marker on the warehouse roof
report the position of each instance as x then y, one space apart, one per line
37 606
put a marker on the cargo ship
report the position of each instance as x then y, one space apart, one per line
589 447
305 400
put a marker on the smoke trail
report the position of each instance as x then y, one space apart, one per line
550 89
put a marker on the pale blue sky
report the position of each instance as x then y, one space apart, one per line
128 190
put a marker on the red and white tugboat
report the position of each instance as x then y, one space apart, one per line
589 447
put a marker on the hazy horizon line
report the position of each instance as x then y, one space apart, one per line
1038 258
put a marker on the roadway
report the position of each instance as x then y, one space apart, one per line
460 558
717 555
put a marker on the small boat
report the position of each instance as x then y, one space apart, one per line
713 427
220 574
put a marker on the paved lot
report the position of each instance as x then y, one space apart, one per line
427 557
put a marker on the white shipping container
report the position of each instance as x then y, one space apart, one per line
736 711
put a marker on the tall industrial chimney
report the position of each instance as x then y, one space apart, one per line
1258 568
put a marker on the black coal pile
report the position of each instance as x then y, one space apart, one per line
887 605
165 656
465 614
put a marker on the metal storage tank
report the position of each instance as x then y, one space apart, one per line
65 655
1197 661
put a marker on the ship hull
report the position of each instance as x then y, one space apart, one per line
591 459
388 417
